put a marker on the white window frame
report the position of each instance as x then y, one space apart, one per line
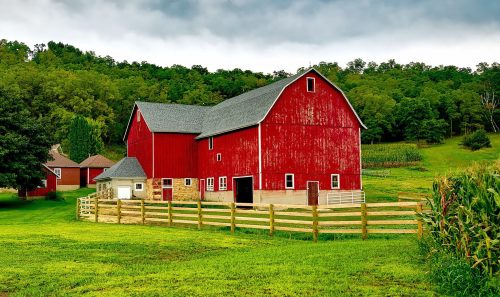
167 186
338 181
210 184
210 143
219 157
186 182
293 181
59 175
314 84
138 190
222 183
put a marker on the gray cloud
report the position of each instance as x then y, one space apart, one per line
257 27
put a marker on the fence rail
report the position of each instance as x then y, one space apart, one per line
361 218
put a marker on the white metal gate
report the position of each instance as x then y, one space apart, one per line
345 197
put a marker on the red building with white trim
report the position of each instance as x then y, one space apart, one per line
292 141
92 167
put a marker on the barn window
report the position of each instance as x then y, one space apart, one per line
58 172
187 182
210 143
210 184
138 116
310 84
289 181
222 183
219 157
167 183
138 187
335 181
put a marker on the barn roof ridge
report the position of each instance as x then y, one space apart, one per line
245 110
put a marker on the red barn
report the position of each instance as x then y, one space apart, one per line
49 185
67 171
92 167
292 141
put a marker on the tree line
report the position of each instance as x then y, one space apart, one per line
58 82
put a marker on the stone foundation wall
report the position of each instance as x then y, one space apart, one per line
183 192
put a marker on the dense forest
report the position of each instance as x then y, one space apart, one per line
57 82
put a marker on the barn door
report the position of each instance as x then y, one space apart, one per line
167 187
312 192
202 189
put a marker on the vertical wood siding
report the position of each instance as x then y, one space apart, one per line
175 155
140 143
69 176
311 135
240 157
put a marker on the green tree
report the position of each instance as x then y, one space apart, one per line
84 139
24 145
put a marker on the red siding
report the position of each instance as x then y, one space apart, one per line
140 143
240 157
311 135
51 186
175 155
69 176
87 175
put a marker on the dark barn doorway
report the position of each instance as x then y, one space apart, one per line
243 189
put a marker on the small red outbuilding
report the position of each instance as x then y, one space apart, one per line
92 167
49 185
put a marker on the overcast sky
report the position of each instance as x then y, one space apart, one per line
263 35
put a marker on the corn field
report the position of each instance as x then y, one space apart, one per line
390 155
465 217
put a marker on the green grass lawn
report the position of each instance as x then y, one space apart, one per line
45 251
438 160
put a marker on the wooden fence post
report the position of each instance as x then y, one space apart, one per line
78 208
143 212
419 221
119 211
169 203
315 222
233 213
199 215
271 220
364 231
96 209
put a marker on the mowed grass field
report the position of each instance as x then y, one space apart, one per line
44 251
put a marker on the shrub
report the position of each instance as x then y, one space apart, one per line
390 155
464 224
54 196
476 140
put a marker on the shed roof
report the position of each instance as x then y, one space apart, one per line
127 167
96 161
239 112
60 160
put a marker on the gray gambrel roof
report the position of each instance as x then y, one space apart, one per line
245 110
173 117
127 167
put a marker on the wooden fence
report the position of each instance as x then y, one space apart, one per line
363 219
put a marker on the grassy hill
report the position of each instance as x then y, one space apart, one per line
437 160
